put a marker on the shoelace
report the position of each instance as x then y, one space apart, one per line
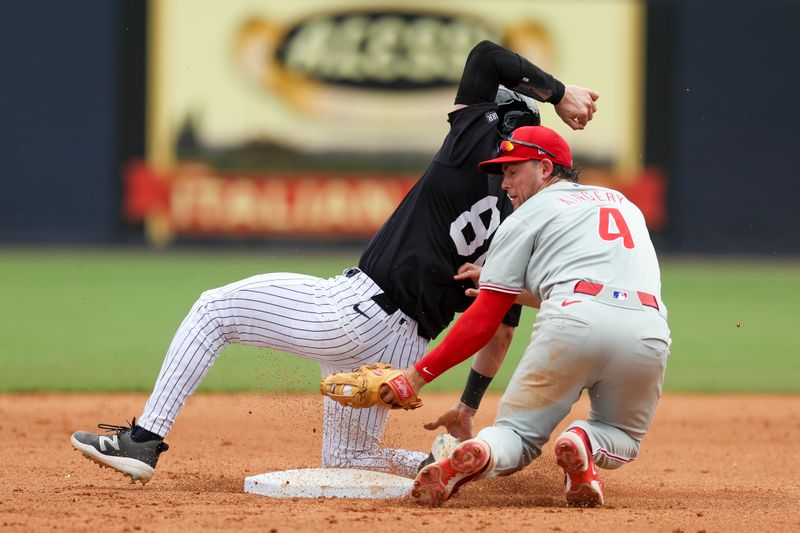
111 428
161 447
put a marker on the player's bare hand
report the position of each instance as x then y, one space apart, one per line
469 271
457 420
387 395
577 107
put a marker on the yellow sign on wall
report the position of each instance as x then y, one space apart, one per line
375 77
260 95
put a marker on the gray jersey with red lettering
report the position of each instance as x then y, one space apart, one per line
570 231
609 336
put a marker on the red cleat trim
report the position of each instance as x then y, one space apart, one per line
439 481
582 484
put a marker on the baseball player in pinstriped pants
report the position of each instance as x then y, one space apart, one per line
332 321
403 293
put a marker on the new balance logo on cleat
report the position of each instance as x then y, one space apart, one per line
108 441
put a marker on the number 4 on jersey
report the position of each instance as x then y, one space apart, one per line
613 226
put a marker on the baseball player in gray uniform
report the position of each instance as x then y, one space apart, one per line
582 253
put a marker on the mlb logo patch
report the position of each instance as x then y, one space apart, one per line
619 295
491 117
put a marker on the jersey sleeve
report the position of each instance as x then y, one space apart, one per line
489 65
508 257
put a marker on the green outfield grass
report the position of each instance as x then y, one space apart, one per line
102 320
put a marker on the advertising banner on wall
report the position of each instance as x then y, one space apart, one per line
313 118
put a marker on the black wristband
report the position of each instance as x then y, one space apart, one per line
475 389
558 92
513 315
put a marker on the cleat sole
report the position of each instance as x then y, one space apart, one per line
586 495
131 468
105 466
582 490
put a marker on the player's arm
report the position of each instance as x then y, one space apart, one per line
529 299
458 419
471 332
490 65
501 282
375 384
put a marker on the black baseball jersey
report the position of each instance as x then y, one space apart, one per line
446 220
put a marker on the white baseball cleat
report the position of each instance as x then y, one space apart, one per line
443 445
573 454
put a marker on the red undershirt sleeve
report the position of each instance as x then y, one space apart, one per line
473 329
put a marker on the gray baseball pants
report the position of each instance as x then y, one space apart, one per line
617 350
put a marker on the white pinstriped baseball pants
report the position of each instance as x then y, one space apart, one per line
332 321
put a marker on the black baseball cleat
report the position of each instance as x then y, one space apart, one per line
119 451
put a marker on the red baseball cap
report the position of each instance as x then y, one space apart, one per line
530 142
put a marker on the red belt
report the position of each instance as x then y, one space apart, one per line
593 289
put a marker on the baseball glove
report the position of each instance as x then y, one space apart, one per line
363 388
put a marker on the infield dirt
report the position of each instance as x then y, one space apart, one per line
709 463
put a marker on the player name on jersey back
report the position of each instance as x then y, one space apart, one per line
570 198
